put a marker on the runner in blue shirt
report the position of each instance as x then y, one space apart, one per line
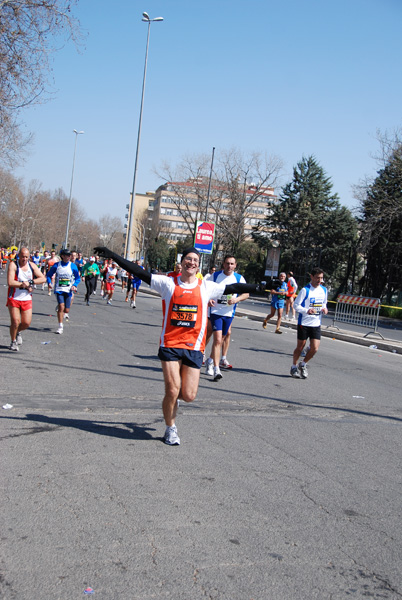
277 302
66 282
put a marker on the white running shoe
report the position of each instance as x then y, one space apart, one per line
109 302
303 370
217 374
67 318
94 293
171 438
224 364
131 304
14 346
60 330
209 367
19 339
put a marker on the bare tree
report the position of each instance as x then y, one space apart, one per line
30 31
246 179
189 182
238 181
111 233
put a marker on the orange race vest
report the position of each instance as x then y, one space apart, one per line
184 320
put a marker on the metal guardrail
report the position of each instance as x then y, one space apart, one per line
358 310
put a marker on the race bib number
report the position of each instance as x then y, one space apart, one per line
316 306
183 315
64 282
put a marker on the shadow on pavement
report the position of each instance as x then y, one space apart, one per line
125 431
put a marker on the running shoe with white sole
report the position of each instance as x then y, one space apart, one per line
14 346
19 339
209 367
294 372
217 374
303 371
60 330
171 438
67 318
224 364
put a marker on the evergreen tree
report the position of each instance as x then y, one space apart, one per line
310 224
382 230
158 254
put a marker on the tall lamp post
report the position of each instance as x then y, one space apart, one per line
77 133
146 19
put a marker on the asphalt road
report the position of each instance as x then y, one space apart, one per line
282 489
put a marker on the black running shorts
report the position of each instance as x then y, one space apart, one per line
303 332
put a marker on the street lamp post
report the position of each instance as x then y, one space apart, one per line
77 133
146 19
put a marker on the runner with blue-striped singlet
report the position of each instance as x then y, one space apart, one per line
66 282
311 304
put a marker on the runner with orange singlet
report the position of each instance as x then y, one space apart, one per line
184 327
290 295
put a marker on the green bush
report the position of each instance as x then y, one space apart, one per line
394 312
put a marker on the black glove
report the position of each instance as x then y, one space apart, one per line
104 252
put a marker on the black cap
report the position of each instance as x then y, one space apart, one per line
189 251
65 251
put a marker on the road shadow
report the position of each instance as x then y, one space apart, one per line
267 351
116 429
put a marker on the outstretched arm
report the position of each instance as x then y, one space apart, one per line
244 288
129 266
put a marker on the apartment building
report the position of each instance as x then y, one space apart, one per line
177 205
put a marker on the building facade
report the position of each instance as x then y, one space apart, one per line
178 205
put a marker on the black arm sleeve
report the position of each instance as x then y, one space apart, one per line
127 265
241 288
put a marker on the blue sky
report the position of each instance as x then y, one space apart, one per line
288 78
